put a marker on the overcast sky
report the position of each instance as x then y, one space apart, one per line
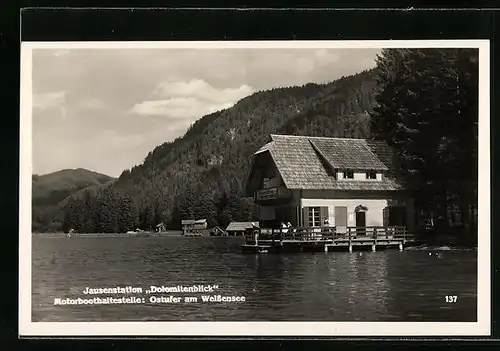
105 109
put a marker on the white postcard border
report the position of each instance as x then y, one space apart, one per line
147 328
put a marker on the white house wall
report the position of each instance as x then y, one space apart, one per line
374 215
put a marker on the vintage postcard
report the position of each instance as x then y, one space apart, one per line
266 188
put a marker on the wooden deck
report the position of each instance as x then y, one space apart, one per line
327 239
194 234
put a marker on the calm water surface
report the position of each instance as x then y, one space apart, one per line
341 286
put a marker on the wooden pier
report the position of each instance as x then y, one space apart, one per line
193 234
327 239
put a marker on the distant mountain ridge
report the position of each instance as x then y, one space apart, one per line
66 179
50 190
202 174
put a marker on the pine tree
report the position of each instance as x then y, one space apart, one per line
90 224
69 215
223 211
126 213
147 218
427 109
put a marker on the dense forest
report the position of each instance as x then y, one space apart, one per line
427 109
422 101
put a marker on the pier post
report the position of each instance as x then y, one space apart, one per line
256 238
400 246
350 243
373 247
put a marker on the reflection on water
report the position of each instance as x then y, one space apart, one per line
340 286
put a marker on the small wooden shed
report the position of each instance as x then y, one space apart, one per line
240 228
161 227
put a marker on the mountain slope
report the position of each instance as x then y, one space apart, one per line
212 159
54 187
202 173
49 190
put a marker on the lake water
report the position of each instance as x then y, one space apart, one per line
337 286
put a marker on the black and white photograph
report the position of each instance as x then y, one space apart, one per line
255 188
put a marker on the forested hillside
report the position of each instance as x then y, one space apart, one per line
202 174
49 192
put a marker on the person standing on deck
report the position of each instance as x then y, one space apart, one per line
328 228
284 227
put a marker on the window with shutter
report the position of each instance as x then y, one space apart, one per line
314 217
371 175
348 174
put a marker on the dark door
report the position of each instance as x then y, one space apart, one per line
360 222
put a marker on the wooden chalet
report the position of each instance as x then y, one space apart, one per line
318 182
194 227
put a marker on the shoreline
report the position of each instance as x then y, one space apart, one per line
421 246
140 234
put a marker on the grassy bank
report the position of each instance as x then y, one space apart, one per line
59 234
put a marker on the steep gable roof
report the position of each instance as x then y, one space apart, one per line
303 162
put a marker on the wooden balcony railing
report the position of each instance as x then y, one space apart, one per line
330 233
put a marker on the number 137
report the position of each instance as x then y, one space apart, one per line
451 298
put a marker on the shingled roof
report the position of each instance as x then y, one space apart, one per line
307 162
347 154
241 226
